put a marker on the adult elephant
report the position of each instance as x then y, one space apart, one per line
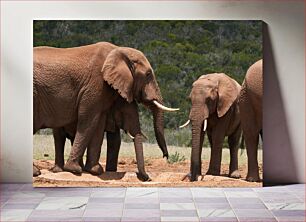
215 110
80 84
250 104
122 115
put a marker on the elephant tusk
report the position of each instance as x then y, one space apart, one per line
185 124
164 107
205 125
128 133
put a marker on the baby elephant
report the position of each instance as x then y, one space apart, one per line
215 111
123 115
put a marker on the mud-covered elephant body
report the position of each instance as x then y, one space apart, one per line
79 85
214 110
250 104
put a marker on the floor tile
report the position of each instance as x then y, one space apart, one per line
285 206
109 193
289 213
178 213
103 213
218 219
105 200
259 213
175 192
20 206
216 213
207 192
141 213
57 213
141 206
248 206
30 200
252 200
291 219
27 194
10 186
142 219
213 205
257 219
210 200
246 194
98 205
63 203
142 192
102 219
177 206
177 219
54 219
141 200
15 214
176 200
63 193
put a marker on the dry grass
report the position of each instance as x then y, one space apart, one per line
44 144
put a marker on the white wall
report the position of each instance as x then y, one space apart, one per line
286 28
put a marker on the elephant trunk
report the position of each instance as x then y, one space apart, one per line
195 168
198 116
158 122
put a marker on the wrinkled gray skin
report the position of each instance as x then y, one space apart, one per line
214 98
79 85
250 104
122 115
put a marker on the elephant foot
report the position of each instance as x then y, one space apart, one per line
82 164
251 178
73 167
213 172
143 176
235 174
57 169
94 170
36 171
190 178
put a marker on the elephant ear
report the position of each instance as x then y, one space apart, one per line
228 90
118 72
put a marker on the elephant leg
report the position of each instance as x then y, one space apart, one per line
113 147
142 175
251 136
94 149
251 141
217 138
233 143
86 128
59 136
36 171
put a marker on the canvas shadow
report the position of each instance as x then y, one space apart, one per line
279 164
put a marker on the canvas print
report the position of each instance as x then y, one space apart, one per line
147 103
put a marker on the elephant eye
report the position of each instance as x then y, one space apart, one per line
149 74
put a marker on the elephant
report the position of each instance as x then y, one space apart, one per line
250 105
215 111
122 115
79 85
36 171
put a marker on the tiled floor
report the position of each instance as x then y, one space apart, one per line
21 202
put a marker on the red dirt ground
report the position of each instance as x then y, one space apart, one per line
160 171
